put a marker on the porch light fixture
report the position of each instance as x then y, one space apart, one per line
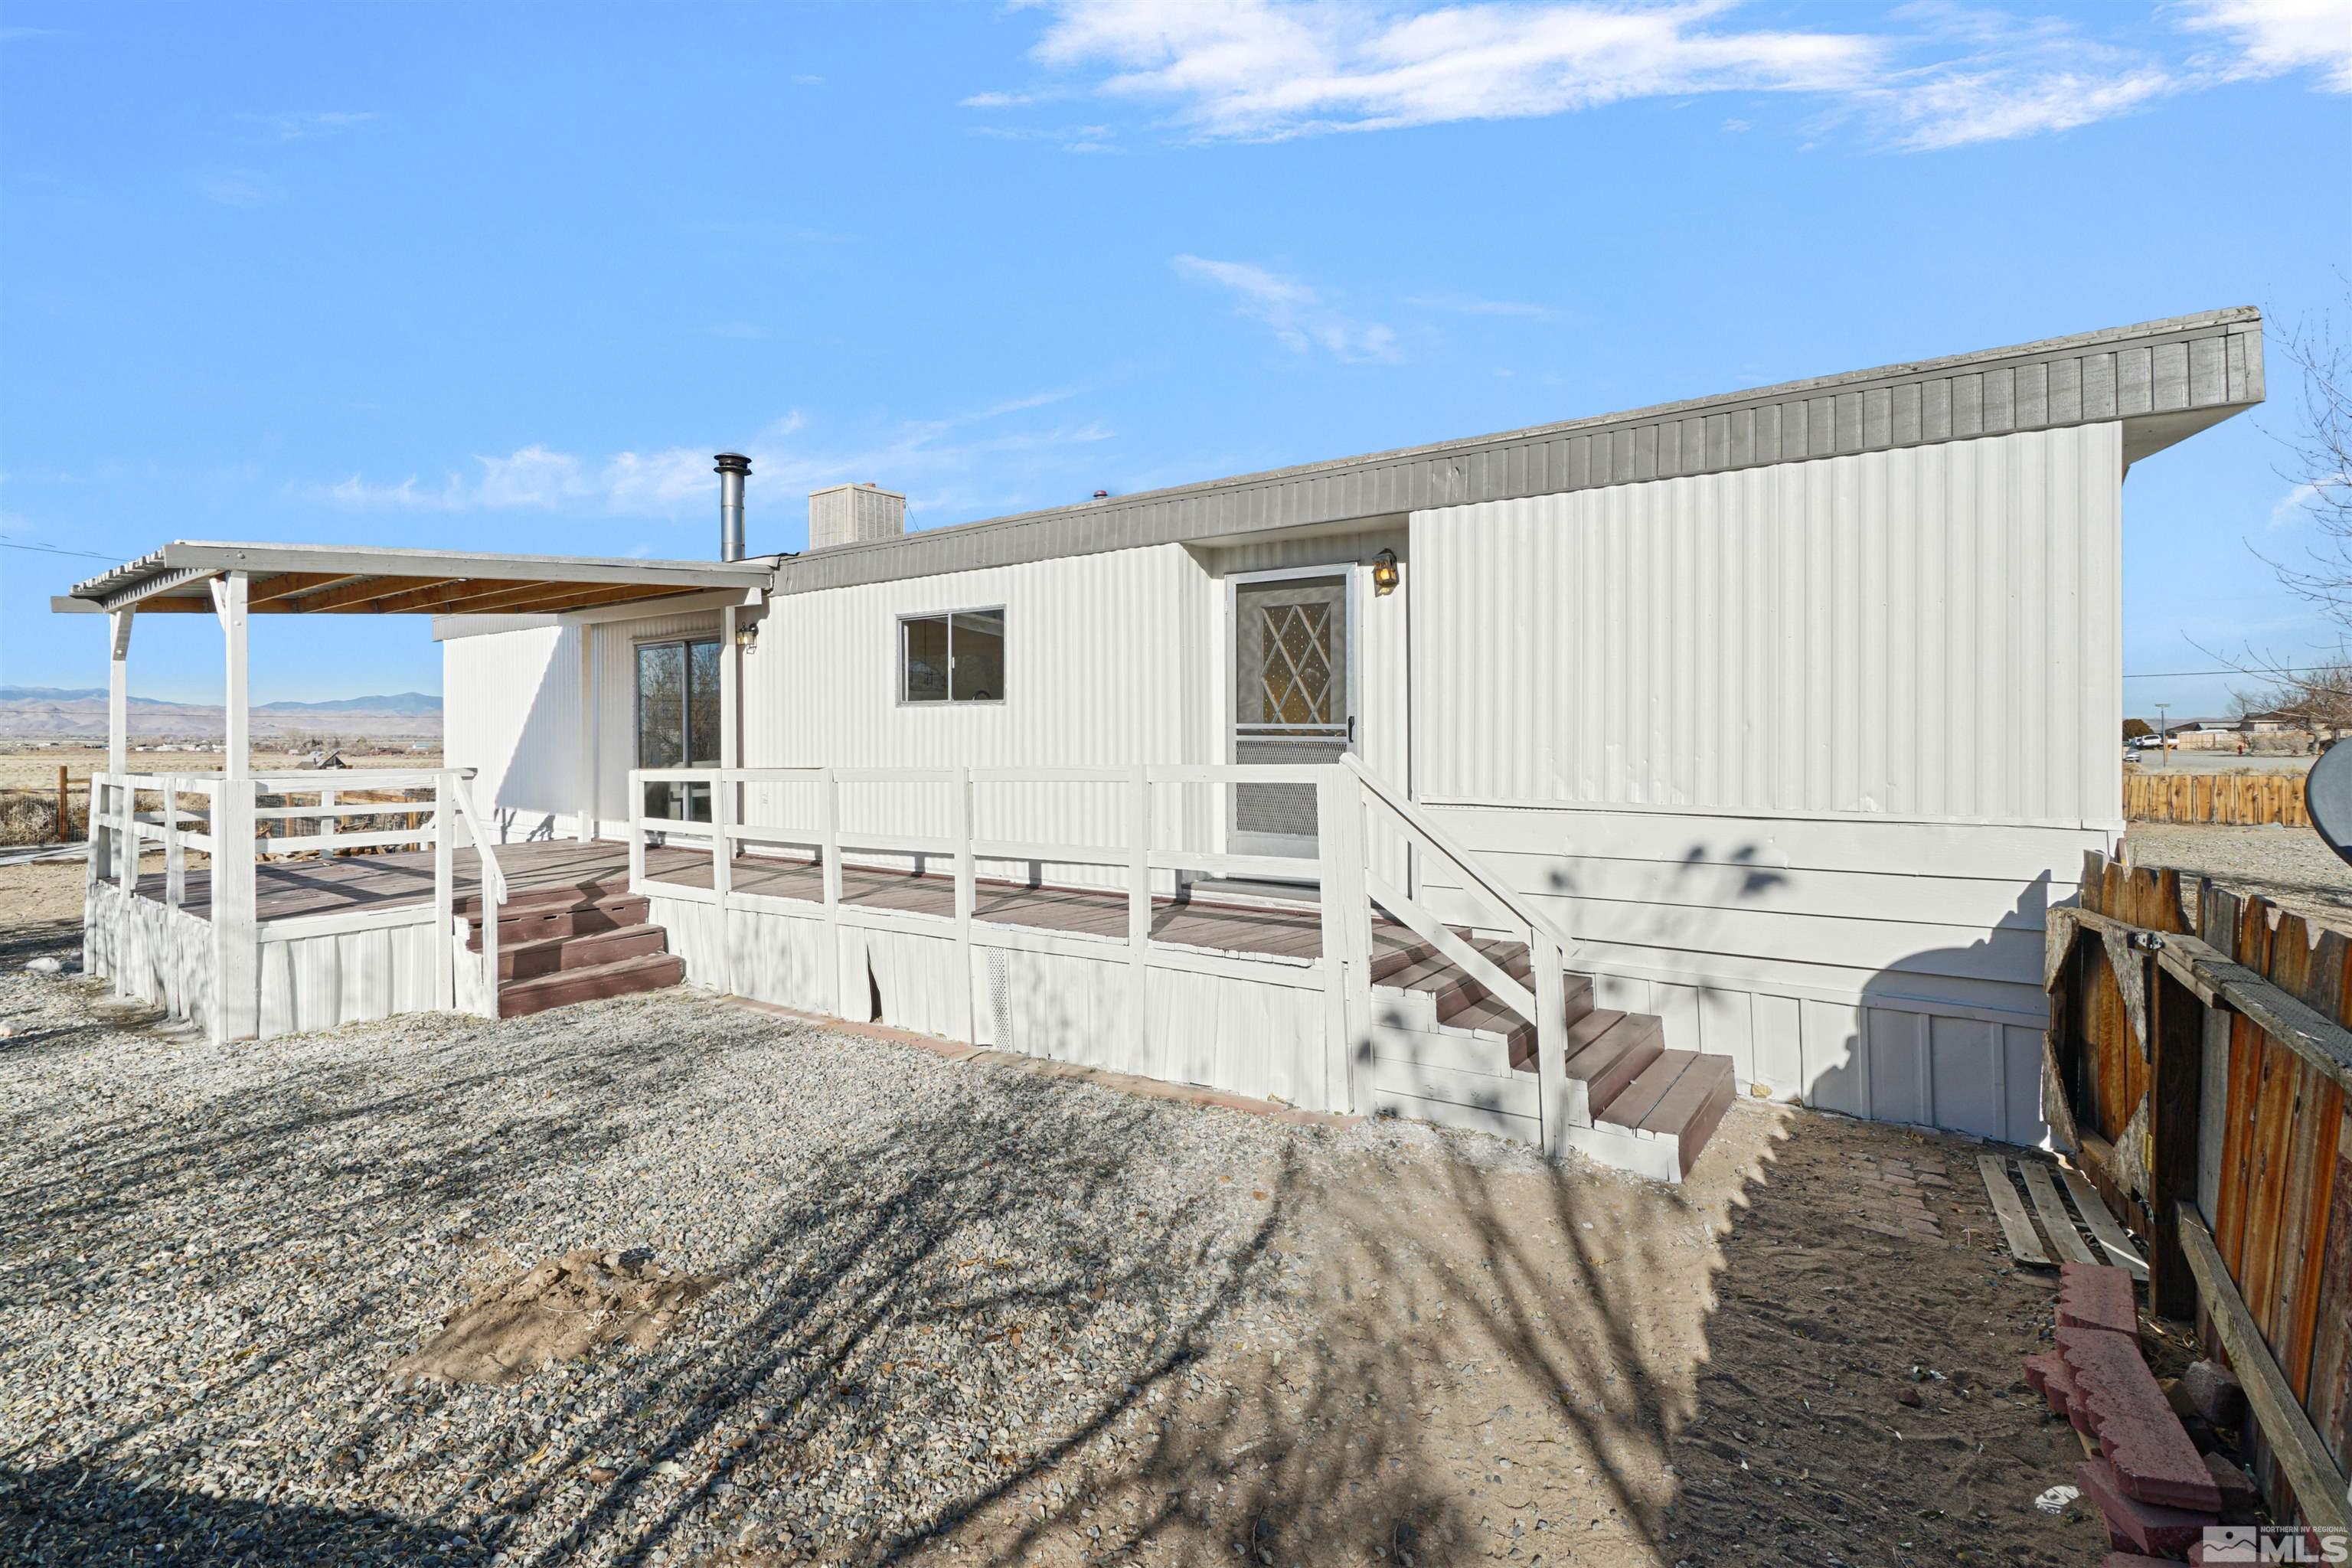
1384 572
747 636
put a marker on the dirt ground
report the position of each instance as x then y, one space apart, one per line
1573 1367
1533 1364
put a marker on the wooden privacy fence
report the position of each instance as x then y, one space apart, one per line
2202 1076
2245 800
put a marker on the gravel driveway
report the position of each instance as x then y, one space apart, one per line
966 1313
2292 865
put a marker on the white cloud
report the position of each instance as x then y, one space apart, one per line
2271 38
1259 69
1295 311
295 127
1470 305
2296 506
1997 105
964 465
237 187
1925 76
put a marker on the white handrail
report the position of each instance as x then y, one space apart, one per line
1418 821
494 885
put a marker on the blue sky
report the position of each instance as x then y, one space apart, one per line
502 278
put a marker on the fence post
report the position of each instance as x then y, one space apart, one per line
636 804
1347 930
828 792
964 1015
2176 1085
329 822
126 838
65 812
175 855
93 872
1550 986
1138 923
236 948
722 866
444 898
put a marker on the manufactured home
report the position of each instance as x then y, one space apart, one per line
1564 782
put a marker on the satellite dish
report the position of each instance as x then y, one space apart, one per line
2327 795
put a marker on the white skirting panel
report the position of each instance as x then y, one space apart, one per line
1937 1065
1886 968
1245 1027
335 978
161 956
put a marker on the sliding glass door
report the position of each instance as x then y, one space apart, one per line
678 722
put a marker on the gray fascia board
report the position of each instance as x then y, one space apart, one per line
1610 448
186 561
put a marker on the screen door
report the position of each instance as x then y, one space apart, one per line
1291 702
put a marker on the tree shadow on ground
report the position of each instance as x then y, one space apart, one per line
71 1515
1024 1319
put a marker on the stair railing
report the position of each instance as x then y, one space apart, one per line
1548 946
494 884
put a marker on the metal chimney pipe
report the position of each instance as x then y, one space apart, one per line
733 469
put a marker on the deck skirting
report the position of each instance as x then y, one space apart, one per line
1253 1025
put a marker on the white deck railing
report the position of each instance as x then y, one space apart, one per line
428 804
1350 892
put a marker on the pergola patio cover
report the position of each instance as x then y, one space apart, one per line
364 580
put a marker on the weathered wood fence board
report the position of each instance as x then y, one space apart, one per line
2138 1001
2245 800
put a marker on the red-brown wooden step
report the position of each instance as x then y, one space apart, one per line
649 972
1691 1110
521 900
1396 960
1631 1105
1618 1058
615 913
549 954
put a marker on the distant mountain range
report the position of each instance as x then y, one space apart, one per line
48 712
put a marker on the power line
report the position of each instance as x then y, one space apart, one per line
2184 674
54 550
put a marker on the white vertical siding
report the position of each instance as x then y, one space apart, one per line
1800 754
1928 632
510 708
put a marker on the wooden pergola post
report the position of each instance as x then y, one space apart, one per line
118 697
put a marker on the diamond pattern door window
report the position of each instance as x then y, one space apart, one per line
1296 678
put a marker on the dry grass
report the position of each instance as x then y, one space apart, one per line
28 782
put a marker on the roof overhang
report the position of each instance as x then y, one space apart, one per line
2162 381
361 580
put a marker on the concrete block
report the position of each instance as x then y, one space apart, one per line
2095 1295
2153 1459
2134 1525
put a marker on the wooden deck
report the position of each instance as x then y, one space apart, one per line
287 888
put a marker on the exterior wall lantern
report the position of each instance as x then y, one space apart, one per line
747 636
1384 572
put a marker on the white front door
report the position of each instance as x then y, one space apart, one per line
1293 697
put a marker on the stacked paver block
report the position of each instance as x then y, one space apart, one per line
2154 1460
2094 1295
2134 1525
2156 1491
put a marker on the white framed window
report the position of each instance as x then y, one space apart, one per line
957 656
